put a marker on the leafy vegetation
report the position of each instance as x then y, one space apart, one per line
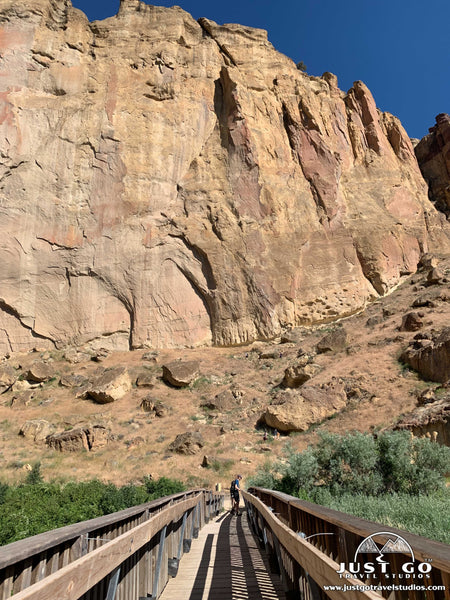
36 506
393 478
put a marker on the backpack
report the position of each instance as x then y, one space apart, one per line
233 487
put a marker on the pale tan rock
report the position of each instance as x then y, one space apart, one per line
297 410
296 375
80 439
8 377
168 182
112 385
187 443
334 341
39 372
74 440
36 429
181 373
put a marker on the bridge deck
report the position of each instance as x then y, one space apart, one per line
225 563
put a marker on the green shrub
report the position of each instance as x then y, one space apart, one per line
35 506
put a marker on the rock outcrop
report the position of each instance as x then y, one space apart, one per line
430 355
168 182
431 420
83 438
433 154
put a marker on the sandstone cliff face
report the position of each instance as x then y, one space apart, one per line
433 154
167 182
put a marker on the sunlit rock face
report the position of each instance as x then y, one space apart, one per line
433 154
166 182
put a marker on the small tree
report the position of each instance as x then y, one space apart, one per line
301 66
34 476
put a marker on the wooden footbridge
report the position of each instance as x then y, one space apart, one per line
186 546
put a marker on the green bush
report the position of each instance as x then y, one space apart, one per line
393 478
35 506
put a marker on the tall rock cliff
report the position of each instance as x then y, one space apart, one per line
433 154
168 182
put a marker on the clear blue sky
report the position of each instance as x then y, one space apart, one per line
399 48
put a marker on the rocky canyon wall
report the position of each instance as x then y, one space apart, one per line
166 182
433 154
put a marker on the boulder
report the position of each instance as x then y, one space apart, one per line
81 438
153 405
21 399
8 377
36 429
295 376
297 410
73 380
39 372
145 380
187 443
292 336
431 420
74 440
225 400
335 341
411 322
151 356
112 385
430 357
100 355
73 356
435 277
180 373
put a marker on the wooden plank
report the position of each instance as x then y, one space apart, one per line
7 584
321 568
17 551
72 581
424 548
24 579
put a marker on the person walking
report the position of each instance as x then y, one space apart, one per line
234 491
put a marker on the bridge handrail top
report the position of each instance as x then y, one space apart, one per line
423 547
22 549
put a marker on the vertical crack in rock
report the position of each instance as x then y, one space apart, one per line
205 24
295 135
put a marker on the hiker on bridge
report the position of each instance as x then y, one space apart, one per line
234 491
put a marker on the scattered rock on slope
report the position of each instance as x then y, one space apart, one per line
36 429
112 385
187 443
297 410
430 357
295 376
83 438
179 373
8 377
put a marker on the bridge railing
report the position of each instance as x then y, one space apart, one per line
124 555
316 549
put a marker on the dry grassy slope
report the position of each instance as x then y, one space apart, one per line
369 365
